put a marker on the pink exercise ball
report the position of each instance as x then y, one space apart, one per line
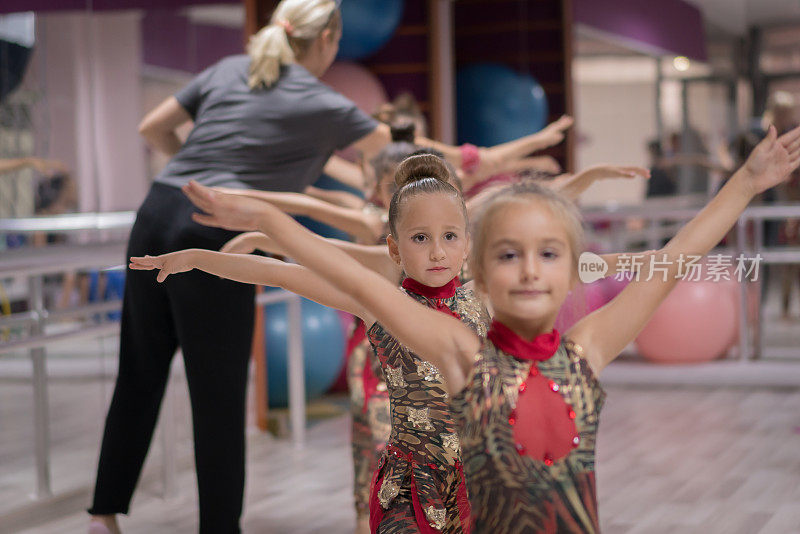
356 83
695 323
359 85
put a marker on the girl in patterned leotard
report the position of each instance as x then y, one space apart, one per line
419 486
369 398
526 399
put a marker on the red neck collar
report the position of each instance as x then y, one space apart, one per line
444 292
540 348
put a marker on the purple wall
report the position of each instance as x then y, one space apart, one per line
669 26
402 63
170 40
14 6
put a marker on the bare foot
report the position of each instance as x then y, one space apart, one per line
104 524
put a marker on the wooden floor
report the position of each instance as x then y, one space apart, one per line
670 460
719 456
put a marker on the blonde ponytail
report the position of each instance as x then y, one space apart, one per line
268 50
293 27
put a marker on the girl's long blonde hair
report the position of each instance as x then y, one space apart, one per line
294 25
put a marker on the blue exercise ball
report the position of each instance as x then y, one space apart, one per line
367 25
496 104
323 350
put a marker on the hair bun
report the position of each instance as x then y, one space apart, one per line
419 167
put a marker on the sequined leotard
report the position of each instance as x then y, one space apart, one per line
513 489
369 407
369 401
419 483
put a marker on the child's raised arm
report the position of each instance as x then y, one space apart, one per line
355 222
573 186
253 270
605 332
443 340
497 158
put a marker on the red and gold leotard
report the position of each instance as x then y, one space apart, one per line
369 401
527 420
419 485
370 413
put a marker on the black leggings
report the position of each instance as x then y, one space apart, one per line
212 321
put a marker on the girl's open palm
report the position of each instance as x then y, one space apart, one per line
223 210
172 263
773 159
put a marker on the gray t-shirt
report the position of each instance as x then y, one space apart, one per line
275 139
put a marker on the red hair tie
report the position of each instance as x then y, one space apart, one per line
287 26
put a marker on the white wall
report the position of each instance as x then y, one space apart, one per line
88 68
615 117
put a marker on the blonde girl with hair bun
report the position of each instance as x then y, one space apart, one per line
419 486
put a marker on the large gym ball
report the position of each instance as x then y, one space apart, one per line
695 323
495 104
356 83
323 349
359 85
367 25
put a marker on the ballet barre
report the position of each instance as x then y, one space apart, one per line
33 264
70 222
664 217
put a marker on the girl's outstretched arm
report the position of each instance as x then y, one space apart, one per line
345 172
493 159
252 270
441 339
496 158
605 332
374 257
540 163
353 221
573 186
336 197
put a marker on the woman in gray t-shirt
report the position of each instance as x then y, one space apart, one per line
261 120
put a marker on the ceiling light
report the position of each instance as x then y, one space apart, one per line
681 63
